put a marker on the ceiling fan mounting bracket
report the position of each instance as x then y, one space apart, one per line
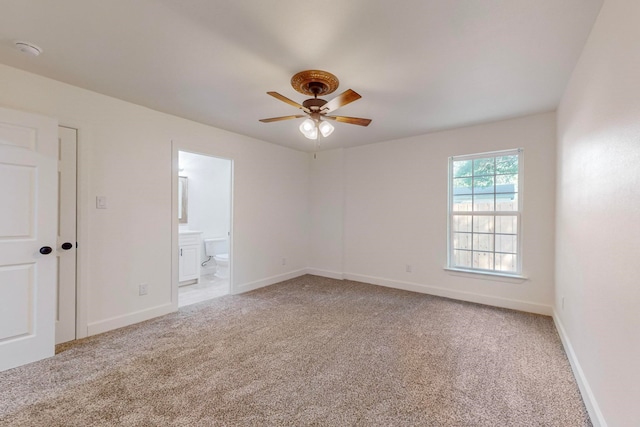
314 82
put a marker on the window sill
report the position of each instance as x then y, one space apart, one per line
487 275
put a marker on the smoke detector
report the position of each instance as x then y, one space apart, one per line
27 48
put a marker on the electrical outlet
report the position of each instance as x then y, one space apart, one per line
284 261
409 268
143 289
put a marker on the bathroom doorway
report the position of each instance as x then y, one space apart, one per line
204 227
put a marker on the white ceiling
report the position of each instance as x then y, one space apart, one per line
420 65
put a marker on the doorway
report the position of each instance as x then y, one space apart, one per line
204 227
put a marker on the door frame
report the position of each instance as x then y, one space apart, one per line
82 223
209 151
75 233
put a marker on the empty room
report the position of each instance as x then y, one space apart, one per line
367 213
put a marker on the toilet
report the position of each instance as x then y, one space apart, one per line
218 248
222 266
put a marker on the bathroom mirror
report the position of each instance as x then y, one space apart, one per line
182 199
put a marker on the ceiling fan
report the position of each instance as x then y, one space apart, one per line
315 83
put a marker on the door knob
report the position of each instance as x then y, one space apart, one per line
45 250
66 246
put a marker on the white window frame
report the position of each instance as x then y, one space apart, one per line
450 233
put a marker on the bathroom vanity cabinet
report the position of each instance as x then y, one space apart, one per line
189 244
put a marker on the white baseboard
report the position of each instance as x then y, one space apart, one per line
326 273
454 294
246 287
585 390
116 322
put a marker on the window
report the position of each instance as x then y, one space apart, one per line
485 205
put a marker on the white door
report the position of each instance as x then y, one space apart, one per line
28 218
66 253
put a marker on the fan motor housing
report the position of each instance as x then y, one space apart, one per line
314 104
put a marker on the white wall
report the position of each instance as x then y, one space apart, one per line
271 206
598 202
326 194
126 155
395 212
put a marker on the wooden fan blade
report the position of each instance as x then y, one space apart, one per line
351 120
277 119
341 100
288 101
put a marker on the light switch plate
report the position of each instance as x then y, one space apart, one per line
101 202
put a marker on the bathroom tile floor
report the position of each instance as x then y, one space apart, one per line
209 287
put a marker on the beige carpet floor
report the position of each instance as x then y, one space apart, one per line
308 351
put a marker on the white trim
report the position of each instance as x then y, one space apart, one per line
597 419
325 273
497 153
128 319
175 226
83 213
246 287
512 304
492 275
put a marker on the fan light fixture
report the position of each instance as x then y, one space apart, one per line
326 128
310 128
314 83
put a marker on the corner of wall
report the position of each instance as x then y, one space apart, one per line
251 286
589 399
